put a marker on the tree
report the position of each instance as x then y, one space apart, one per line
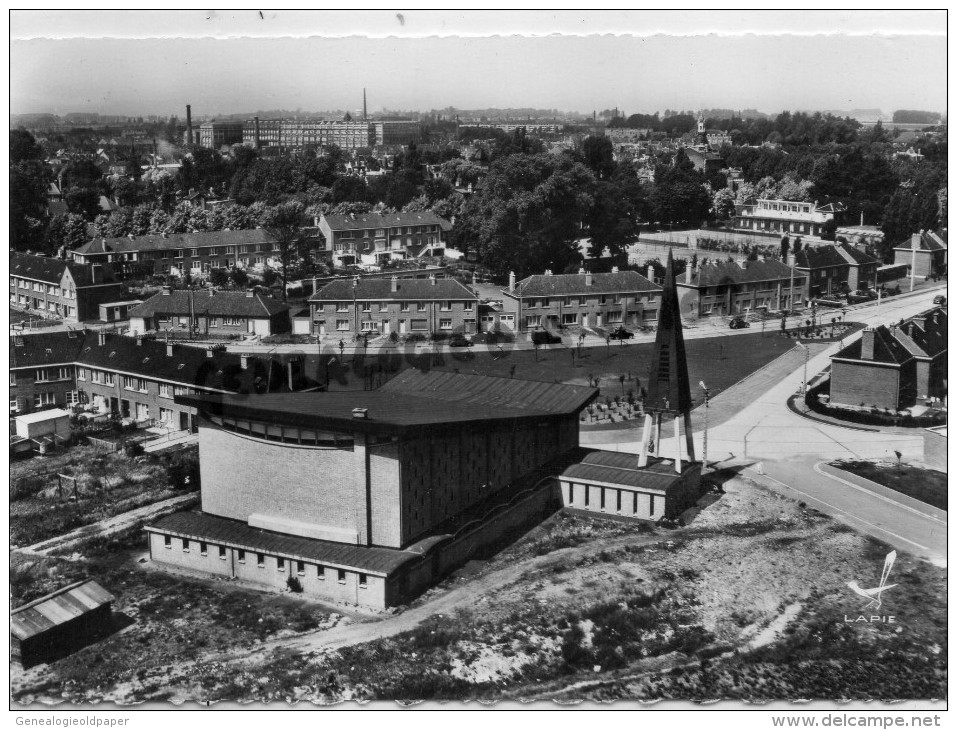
23 146
723 204
66 230
283 224
785 247
219 278
239 277
598 156
680 195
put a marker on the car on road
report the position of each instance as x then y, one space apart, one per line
621 334
541 337
459 340
739 323
940 299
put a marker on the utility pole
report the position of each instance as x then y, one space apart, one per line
704 455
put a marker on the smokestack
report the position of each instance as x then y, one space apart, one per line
511 281
256 132
364 110
189 124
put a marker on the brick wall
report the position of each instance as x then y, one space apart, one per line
873 385
392 318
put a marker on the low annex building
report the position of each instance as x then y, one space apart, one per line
834 269
367 497
583 299
211 312
925 252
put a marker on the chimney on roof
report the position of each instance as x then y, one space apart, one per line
94 268
919 320
249 294
511 281
211 291
614 269
169 349
688 273
588 278
548 272
244 361
432 279
139 340
101 338
209 352
394 284
915 240
867 344
581 270
651 273
166 290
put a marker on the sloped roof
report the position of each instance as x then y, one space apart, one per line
541 285
218 304
57 608
926 241
45 348
380 289
159 242
223 531
362 221
886 349
819 257
855 256
715 273
926 334
618 468
50 270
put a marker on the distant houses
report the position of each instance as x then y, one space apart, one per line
374 239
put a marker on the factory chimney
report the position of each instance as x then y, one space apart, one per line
365 115
189 124
256 131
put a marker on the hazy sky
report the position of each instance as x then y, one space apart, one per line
845 69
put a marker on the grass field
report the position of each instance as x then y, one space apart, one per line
719 361
927 485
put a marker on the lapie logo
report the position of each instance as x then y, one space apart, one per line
875 595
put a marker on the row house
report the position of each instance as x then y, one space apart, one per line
837 269
52 287
133 378
894 367
727 288
347 135
375 238
211 312
178 254
549 301
402 306
925 253
784 216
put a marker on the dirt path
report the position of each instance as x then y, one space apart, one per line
111 525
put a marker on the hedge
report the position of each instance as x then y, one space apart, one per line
867 418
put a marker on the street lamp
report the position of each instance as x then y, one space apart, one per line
807 355
704 456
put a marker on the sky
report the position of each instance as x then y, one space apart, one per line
155 63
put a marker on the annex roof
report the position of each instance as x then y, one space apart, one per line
610 467
41 416
233 533
924 241
45 348
364 289
210 302
887 349
57 608
544 285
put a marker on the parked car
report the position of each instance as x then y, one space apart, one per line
621 334
940 299
541 337
739 323
459 340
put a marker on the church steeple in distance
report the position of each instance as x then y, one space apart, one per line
668 385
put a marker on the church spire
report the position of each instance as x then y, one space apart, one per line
668 386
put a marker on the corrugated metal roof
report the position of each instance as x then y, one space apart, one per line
57 608
616 468
233 533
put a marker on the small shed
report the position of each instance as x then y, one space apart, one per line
62 621
117 311
53 423
302 322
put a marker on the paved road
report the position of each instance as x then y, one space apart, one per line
769 437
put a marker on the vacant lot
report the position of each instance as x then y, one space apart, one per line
107 485
927 485
747 602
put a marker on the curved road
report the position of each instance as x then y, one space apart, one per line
780 448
